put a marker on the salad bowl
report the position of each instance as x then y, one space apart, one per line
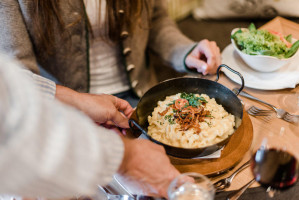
258 61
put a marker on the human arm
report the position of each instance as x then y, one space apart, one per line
51 150
102 108
46 146
44 85
168 42
146 168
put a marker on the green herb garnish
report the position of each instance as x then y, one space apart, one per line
193 100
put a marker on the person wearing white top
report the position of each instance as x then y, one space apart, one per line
48 149
107 73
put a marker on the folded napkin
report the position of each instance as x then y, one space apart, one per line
259 193
216 154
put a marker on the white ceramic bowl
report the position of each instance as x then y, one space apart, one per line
260 62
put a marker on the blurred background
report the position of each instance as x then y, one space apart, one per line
215 19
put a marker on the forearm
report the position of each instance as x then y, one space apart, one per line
79 101
101 108
67 96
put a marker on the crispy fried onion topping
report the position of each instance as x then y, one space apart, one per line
187 116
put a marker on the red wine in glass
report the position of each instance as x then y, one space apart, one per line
274 168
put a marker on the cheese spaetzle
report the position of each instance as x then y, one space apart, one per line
190 121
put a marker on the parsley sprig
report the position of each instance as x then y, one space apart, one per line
193 100
170 119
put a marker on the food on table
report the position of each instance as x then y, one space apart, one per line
265 42
190 121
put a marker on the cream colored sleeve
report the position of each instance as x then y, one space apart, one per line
48 149
44 85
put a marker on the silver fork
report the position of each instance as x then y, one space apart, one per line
291 118
280 113
265 115
255 111
224 183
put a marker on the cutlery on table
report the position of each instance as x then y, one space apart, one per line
224 183
114 196
265 115
236 194
255 111
126 196
280 113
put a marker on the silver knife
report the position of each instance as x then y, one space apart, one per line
135 197
125 196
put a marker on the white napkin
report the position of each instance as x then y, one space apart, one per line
216 154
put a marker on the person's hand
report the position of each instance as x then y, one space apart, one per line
147 165
205 57
103 108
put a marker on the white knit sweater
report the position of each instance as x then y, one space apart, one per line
48 149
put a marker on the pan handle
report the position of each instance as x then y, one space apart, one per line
235 72
133 123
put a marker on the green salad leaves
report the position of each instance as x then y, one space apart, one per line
264 42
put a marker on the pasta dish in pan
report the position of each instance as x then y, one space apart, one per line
190 121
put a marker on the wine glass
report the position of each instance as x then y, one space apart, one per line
191 186
274 162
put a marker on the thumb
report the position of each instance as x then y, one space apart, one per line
195 63
120 120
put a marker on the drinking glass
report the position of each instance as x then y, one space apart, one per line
191 186
290 102
274 162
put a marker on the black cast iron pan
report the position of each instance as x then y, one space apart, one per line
213 89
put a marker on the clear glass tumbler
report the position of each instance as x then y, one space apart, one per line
189 186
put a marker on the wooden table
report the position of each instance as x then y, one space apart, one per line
262 127
278 98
